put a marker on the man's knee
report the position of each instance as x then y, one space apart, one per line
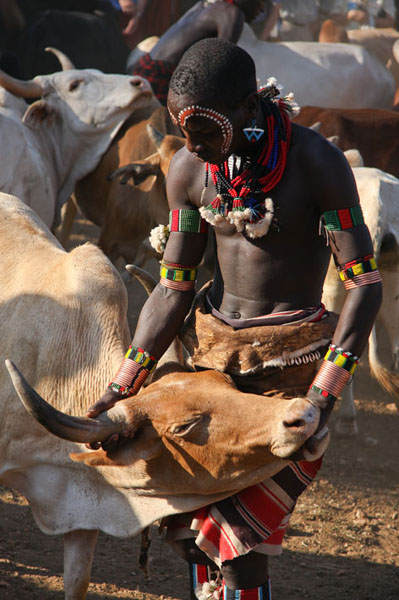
189 551
245 572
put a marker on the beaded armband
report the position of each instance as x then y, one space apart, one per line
335 372
178 277
134 369
187 221
183 221
344 218
359 272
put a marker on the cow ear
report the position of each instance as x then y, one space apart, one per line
139 172
99 458
119 457
38 113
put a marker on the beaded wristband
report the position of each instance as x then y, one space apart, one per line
133 371
344 218
335 372
178 277
187 221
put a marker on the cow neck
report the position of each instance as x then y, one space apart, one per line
241 198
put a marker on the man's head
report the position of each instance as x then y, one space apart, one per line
212 94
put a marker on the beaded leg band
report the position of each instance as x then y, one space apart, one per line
263 592
335 372
178 277
134 370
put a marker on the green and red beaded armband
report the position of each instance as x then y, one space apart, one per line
187 221
343 218
335 372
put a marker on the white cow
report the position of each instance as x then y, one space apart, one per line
48 146
329 75
63 322
379 198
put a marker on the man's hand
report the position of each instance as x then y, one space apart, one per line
107 401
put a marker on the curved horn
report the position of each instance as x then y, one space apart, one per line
64 61
74 429
147 281
18 87
155 135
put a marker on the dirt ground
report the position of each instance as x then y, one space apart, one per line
343 541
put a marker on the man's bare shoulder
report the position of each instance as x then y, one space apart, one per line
324 165
185 173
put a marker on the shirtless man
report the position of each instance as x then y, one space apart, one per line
207 18
280 198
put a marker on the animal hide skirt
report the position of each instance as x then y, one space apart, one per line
268 360
157 72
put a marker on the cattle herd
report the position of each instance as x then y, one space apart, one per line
68 136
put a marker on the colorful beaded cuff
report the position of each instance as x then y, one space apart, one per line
331 379
134 369
187 221
178 277
355 268
343 359
344 218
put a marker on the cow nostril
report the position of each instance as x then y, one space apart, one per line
136 82
295 424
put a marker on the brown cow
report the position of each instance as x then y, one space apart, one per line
126 214
372 131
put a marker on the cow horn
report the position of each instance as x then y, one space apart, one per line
155 135
19 87
74 429
143 277
64 61
316 126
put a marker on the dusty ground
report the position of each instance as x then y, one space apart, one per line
343 542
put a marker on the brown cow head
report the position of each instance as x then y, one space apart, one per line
191 432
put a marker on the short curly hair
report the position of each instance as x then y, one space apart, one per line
215 70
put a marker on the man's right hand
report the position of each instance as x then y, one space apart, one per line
107 401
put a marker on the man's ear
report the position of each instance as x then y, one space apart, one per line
251 103
38 113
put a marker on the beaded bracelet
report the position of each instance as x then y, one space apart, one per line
335 372
359 272
178 277
133 371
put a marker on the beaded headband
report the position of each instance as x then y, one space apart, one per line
208 113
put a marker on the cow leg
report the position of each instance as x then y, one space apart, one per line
346 424
78 555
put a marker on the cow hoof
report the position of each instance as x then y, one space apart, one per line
346 427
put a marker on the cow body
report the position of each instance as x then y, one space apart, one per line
379 198
126 214
89 32
59 139
328 75
64 322
374 132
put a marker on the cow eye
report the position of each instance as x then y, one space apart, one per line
182 429
74 84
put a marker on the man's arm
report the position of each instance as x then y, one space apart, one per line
352 250
165 310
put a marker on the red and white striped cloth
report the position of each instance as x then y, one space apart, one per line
254 519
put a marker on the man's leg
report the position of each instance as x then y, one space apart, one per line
244 578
